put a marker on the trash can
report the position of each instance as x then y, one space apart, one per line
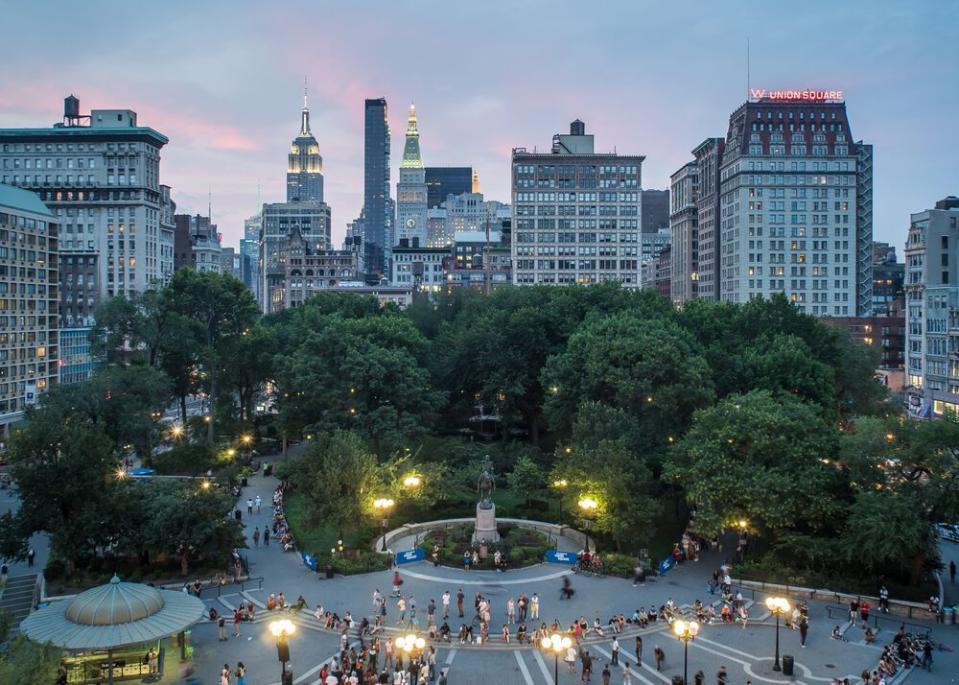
787 664
329 571
244 482
678 680
287 677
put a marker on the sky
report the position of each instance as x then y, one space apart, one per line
224 81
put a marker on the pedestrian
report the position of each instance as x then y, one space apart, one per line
927 655
699 678
225 675
221 628
266 536
240 673
884 600
660 657
803 629
256 536
466 560
388 661
639 650
31 555
258 503
446 604
442 680
570 659
627 675
606 674
4 569
587 662
614 648
853 611
152 661
401 607
236 622
459 601
722 675
510 611
249 506
952 572
864 613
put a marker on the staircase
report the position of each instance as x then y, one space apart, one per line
16 599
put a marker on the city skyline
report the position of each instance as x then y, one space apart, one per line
227 90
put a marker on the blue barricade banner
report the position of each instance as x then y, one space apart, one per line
554 556
410 555
309 560
665 565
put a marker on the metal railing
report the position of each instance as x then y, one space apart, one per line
876 618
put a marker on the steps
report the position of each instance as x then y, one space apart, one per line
17 599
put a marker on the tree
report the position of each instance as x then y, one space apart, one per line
221 308
761 458
28 663
526 478
619 482
651 369
343 479
785 363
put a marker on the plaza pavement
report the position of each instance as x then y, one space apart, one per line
746 653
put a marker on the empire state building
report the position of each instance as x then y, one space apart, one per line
304 176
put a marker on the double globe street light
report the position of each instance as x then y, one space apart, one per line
778 606
556 644
687 632
281 630
384 505
588 506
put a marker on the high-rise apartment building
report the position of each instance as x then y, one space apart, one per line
29 350
377 208
100 176
442 181
888 277
785 206
683 224
411 191
655 210
576 213
196 244
304 175
932 310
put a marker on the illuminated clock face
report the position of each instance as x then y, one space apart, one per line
411 223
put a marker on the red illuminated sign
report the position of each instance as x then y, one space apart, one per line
794 95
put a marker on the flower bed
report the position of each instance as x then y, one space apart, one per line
519 546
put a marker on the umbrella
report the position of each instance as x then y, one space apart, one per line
113 615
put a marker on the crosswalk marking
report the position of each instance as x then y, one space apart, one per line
542 666
639 676
522 667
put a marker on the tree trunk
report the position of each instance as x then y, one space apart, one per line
209 425
185 564
918 562
183 409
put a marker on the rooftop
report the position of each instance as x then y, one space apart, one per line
22 200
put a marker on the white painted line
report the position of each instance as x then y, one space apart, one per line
653 671
450 657
222 600
542 666
639 676
497 580
523 669
251 598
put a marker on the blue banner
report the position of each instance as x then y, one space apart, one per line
554 556
410 555
309 560
666 564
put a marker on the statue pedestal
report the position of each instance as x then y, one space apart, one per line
485 530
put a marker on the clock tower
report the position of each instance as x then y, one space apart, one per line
411 201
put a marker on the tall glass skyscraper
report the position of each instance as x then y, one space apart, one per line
304 175
377 208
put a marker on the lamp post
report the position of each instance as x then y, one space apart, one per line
687 632
555 644
587 505
560 485
412 481
412 646
778 606
383 505
281 630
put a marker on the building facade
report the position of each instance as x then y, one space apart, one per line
377 220
411 191
576 213
888 278
442 181
29 302
100 176
310 221
683 225
932 310
196 244
309 270
709 159
420 268
655 210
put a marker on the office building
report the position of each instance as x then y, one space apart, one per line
932 311
421 268
885 334
888 277
684 227
653 244
310 221
196 244
709 158
481 259
304 175
167 231
657 273
309 270
99 174
576 213
443 181
411 191
377 207
29 302
655 210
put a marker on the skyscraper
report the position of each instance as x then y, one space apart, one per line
683 224
304 176
442 181
377 212
411 191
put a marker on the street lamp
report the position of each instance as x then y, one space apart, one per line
383 505
176 430
411 645
687 632
281 630
555 644
587 505
412 481
560 485
246 439
778 606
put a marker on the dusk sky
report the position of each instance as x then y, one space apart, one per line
224 80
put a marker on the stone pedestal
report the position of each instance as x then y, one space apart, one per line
485 530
